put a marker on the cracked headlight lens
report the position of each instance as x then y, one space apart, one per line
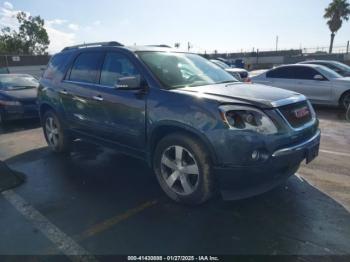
247 118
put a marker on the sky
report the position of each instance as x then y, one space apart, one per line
223 25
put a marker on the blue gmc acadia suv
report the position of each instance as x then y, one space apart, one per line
195 125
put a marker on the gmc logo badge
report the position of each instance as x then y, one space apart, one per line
301 112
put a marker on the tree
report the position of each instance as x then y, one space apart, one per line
337 12
31 37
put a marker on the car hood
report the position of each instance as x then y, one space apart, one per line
21 94
255 94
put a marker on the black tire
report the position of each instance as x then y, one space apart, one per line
345 100
2 119
63 144
203 183
347 114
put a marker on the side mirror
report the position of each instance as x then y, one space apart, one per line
319 78
128 83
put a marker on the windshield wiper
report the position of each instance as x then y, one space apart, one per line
20 87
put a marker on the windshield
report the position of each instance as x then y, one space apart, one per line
176 70
341 66
329 73
15 82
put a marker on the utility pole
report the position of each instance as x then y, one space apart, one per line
188 46
276 43
347 48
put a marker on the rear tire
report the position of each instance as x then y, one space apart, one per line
55 135
183 169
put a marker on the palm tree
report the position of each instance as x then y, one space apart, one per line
336 13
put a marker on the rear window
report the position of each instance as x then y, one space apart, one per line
86 67
57 64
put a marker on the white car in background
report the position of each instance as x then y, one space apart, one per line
319 83
240 73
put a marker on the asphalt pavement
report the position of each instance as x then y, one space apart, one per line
97 202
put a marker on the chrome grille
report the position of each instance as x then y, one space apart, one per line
297 114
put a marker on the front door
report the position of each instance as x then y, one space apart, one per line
125 109
318 91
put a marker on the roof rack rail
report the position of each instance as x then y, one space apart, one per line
112 43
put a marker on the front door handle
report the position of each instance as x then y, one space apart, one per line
97 98
63 92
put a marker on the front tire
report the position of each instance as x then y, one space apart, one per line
183 169
55 135
345 101
2 119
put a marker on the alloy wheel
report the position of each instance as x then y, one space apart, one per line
52 131
179 170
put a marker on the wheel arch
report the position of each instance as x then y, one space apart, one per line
44 107
346 92
164 129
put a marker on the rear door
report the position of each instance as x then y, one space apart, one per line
78 93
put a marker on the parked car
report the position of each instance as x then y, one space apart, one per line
244 76
227 68
4 70
199 128
18 93
340 68
257 72
319 83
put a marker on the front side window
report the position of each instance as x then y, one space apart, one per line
116 66
305 73
176 70
86 67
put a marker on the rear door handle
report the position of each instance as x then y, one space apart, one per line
64 92
97 98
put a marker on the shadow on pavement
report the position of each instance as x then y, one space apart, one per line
19 125
93 184
330 113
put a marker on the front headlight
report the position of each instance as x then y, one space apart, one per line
9 103
247 118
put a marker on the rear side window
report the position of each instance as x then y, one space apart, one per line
86 67
116 66
56 65
282 72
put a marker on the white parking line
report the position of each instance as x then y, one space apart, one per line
62 241
334 153
299 177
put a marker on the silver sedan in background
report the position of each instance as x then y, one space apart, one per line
319 83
